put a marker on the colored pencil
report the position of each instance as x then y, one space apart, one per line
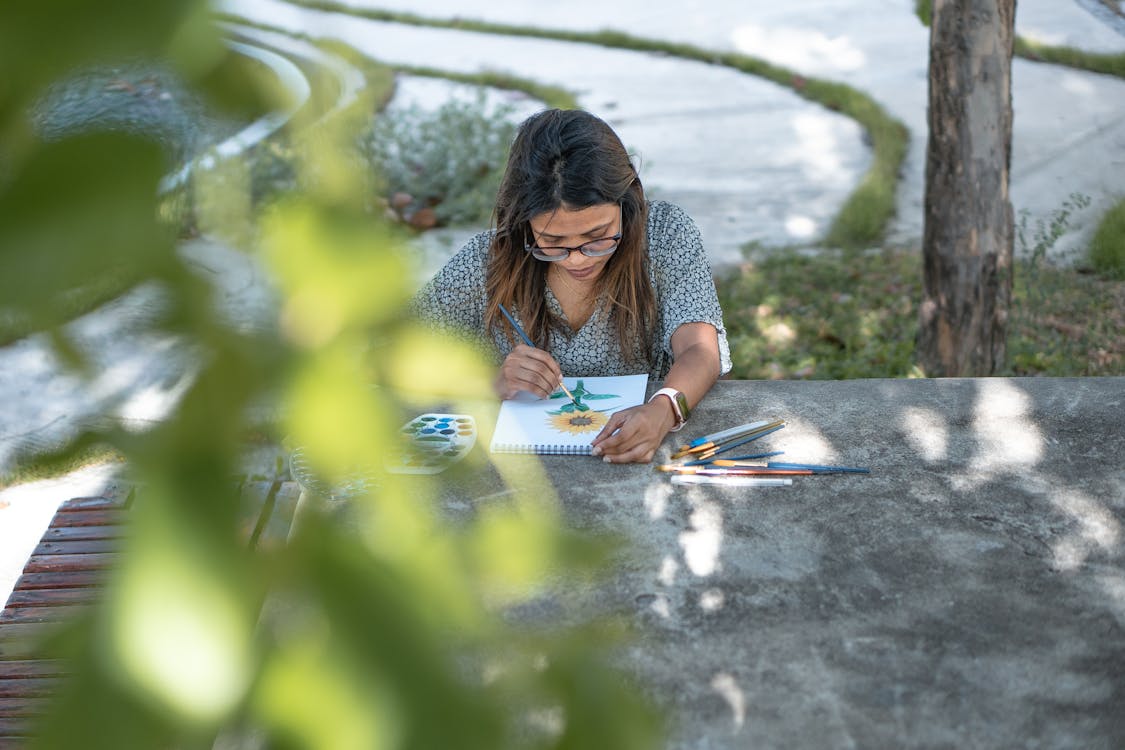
737 438
735 443
527 340
732 481
724 434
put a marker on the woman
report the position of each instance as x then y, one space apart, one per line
603 281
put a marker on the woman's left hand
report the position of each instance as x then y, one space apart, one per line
634 434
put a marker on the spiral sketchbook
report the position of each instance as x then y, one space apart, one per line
528 424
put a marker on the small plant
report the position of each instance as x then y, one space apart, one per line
1107 248
1033 243
1062 322
441 167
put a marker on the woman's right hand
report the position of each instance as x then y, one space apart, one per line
527 369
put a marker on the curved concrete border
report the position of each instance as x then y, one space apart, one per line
290 76
275 51
706 136
1068 127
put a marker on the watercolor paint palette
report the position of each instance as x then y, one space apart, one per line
433 442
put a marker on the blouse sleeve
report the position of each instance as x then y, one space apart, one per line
453 300
682 277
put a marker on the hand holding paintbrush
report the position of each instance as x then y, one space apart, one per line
530 369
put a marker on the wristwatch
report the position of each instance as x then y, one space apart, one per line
679 405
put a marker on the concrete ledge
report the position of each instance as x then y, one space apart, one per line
970 592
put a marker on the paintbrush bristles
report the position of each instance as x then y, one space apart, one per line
570 395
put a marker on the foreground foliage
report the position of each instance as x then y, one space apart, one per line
391 631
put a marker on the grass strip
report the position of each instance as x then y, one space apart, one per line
1094 62
864 216
57 465
553 96
782 325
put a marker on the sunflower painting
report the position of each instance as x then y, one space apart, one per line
577 417
576 422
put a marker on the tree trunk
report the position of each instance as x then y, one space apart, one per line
967 241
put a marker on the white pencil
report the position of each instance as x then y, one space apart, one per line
734 480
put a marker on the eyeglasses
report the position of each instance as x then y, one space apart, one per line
592 249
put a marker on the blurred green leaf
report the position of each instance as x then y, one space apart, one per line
337 269
77 209
39 41
181 623
384 624
240 86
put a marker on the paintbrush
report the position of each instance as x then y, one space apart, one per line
749 457
732 470
819 469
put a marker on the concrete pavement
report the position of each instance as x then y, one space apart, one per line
751 162
969 592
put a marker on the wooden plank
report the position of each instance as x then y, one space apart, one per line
77 547
21 640
22 707
115 496
72 533
75 580
38 614
22 668
69 563
52 597
112 517
31 687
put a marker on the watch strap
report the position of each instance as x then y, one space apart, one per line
679 405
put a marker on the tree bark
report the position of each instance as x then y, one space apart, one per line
967 240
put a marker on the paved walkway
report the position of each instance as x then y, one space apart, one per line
705 136
750 160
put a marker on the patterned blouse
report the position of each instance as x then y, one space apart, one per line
454 300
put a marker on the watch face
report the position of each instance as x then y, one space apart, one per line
681 401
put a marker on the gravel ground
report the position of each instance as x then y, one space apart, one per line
141 97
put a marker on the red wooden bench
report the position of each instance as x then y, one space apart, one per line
66 571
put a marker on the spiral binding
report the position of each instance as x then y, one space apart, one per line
544 449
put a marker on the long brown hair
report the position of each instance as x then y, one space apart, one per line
571 159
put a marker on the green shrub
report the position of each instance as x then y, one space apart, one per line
1107 249
449 160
